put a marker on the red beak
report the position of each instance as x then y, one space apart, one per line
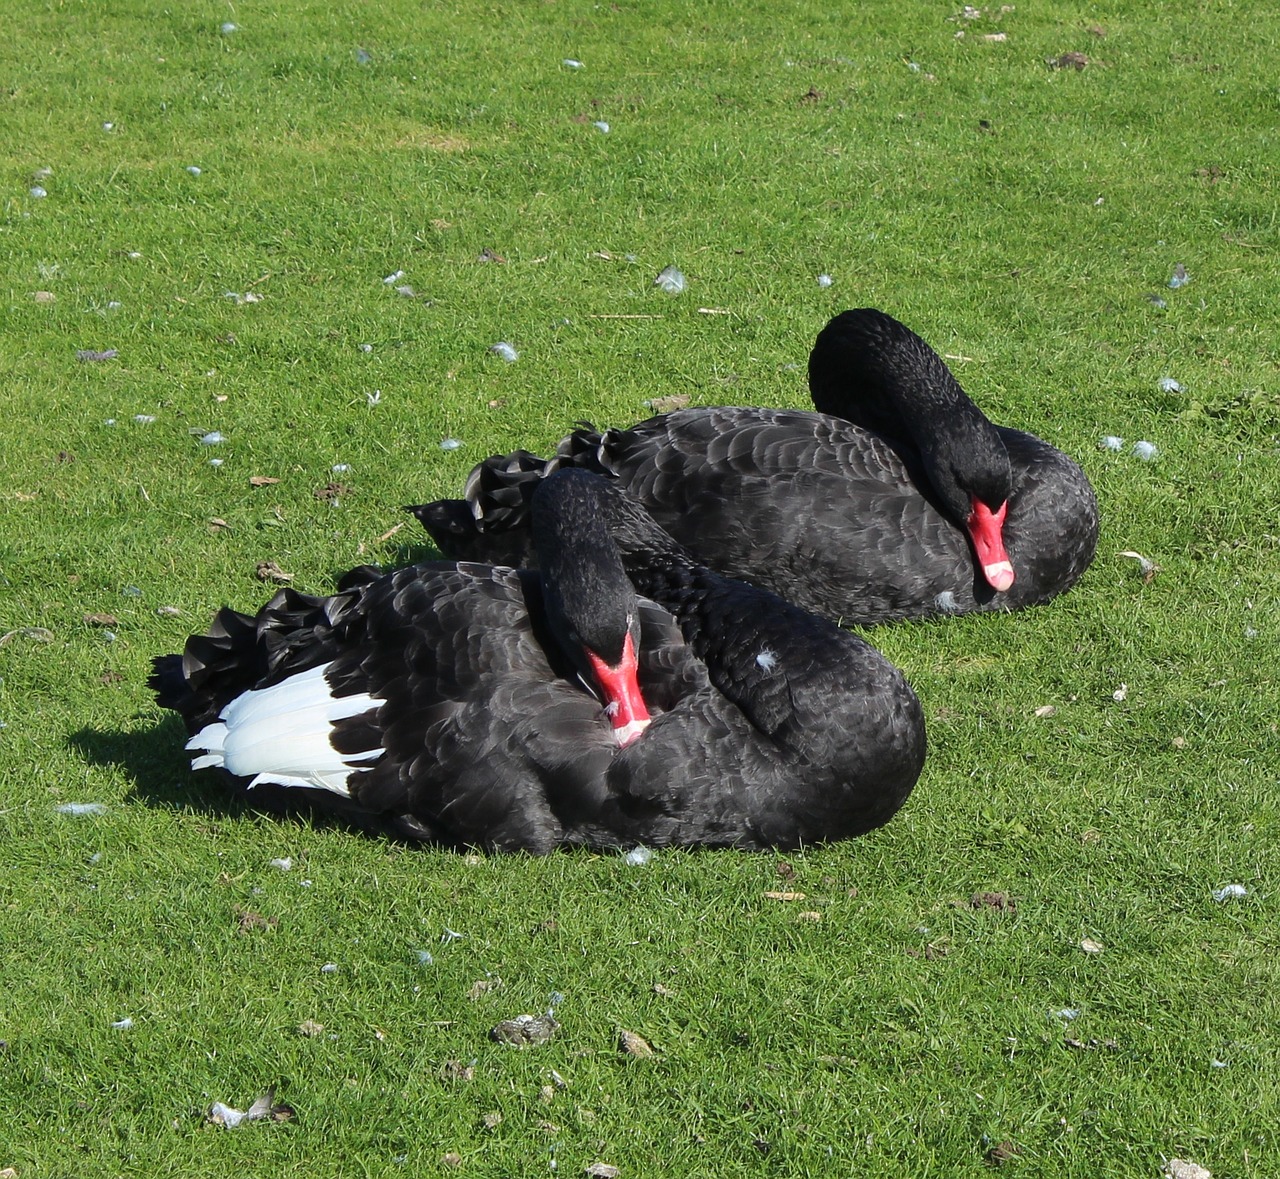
623 702
987 530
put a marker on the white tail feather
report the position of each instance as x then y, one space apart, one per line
282 734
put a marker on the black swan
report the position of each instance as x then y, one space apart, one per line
898 499
461 703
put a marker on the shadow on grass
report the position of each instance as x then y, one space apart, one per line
159 768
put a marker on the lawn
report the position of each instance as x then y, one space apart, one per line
256 258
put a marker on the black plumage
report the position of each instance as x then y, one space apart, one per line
769 726
870 510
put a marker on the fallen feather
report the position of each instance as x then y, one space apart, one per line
394 277
365 347
1066 1013
1146 566
213 438
340 468
195 171
1112 442
374 398
425 957
1179 278
1230 892
601 126
1146 451
505 350
363 57
1169 385
1089 946
572 63
227 27
144 419
406 292
284 863
824 280
451 935
82 808
37 191
1046 710
525 1031
215 462
329 968
123 1025
637 857
265 1107
670 280
450 444
1157 301
1121 694
92 355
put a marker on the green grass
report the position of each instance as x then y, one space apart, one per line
1016 215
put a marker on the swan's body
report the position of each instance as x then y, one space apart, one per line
447 701
898 500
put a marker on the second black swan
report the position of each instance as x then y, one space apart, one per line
897 499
